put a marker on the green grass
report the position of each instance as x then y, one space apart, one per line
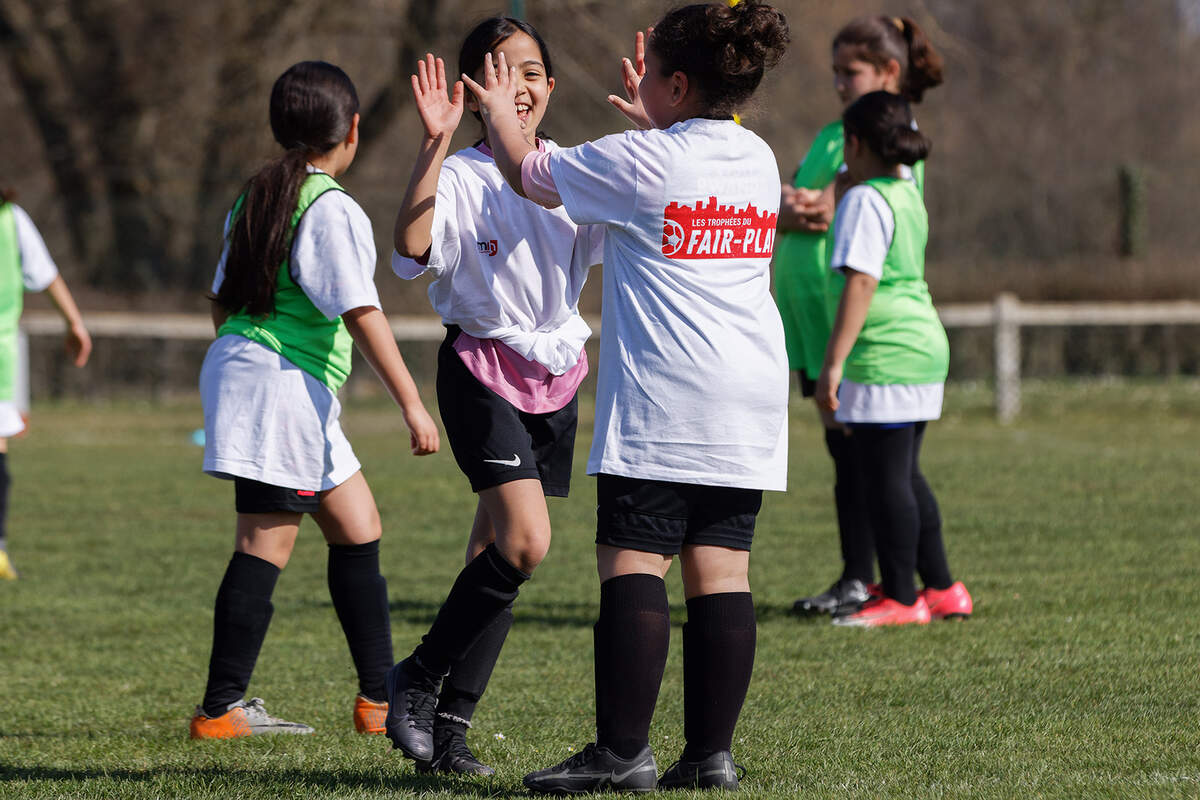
1077 677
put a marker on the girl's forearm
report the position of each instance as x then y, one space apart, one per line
412 234
373 336
509 148
60 295
851 315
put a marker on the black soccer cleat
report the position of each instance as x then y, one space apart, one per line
715 772
412 700
451 754
845 596
596 769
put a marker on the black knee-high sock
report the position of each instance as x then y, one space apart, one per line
932 565
4 484
718 658
469 676
241 615
631 639
884 459
484 588
360 598
854 525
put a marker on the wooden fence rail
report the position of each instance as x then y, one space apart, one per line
1006 315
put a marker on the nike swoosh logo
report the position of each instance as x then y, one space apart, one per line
620 776
515 462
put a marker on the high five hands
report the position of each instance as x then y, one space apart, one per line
631 76
498 94
439 114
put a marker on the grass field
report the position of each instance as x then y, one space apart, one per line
1075 530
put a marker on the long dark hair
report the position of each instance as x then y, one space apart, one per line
7 195
884 122
882 39
485 37
724 50
312 109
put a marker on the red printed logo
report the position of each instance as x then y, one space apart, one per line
488 248
717 231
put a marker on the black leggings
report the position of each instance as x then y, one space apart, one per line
903 511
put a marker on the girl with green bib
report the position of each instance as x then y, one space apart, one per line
874 53
885 366
293 294
25 265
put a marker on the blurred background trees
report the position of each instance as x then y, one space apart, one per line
129 126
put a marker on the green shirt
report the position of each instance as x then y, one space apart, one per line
12 298
802 263
902 340
296 329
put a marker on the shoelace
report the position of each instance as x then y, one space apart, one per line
456 746
421 707
580 758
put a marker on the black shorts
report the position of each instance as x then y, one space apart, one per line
661 517
808 386
493 441
252 497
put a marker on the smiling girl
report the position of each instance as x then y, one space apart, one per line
507 276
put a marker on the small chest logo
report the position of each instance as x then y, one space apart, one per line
487 248
711 230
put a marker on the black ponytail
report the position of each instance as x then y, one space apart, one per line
723 50
312 109
884 122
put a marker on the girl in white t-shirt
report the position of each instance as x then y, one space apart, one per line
25 265
691 406
507 276
294 292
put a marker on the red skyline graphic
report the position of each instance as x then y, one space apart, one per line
713 230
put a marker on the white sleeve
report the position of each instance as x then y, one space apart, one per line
37 267
444 247
862 231
598 181
333 255
591 239
219 278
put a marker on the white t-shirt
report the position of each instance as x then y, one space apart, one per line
505 268
862 235
693 376
37 267
265 418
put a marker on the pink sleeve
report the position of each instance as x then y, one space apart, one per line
537 181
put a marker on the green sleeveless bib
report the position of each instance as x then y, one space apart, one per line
902 340
297 330
12 299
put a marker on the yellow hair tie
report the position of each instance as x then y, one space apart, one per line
899 23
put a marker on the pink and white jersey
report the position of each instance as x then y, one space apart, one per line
693 382
504 267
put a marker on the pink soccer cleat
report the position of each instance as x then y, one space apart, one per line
886 611
952 603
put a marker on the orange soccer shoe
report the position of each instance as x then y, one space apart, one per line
244 718
952 603
886 611
369 716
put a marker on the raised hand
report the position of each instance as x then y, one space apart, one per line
439 114
498 94
631 76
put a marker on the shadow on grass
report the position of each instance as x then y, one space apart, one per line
568 615
211 778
